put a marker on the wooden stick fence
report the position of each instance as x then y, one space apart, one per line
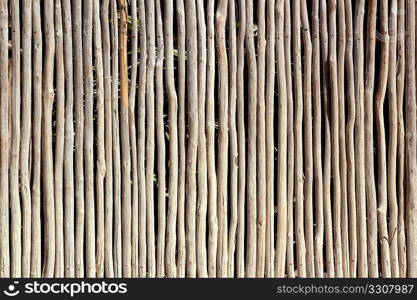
191 138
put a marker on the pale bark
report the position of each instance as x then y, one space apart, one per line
260 143
100 160
59 142
79 130
181 255
108 188
308 143
36 255
269 147
360 139
173 143
240 244
160 251
223 139
47 156
251 211
350 143
202 146
372 230
411 140
25 137
15 207
141 139
381 146
4 137
317 155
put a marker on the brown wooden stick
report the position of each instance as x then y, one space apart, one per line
328 221
181 255
25 137
411 140
341 49
141 140
402 251
233 153
59 142
381 146
308 143
47 166
360 139
290 134
317 155
372 231
251 211
269 129
133 142
100 164
173 143
36 254
350 141
15 208
4 133
240 245
79 130
202 147
160 136
282 141
260 143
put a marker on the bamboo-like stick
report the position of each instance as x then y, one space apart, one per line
381 146
101 163
15 207
125 145
117 231
251 212
192 143
350 143
290 133
47 161
240 244
282 141
25 137
59 143
181 249
202 146
360 139
411 139
402 249
308 143
233 153
393 140
334 125
160 135
90 232
173 143
223 139
260 143
108 188
79 132
317 155
36 254
141 140
341 49
4 149
269 150
133 142
150 137
298 137
328 221
210 131
372 229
